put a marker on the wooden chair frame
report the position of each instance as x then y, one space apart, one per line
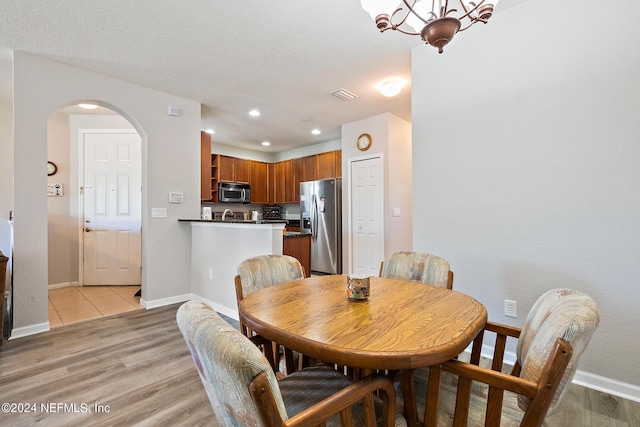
449 278
274 354
339 402
541 392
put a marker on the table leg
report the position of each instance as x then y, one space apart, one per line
433 396
409 397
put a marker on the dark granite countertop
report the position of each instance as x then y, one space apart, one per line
239 221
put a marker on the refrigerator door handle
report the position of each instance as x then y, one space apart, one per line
314 217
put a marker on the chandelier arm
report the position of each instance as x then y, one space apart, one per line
469 25
468 12
405 16
412 10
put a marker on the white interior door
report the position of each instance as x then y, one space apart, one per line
367 223
112 209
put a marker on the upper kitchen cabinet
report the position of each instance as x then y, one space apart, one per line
233 169
208 185
326 165
259 181
283 182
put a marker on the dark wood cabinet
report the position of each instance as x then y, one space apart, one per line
241 170
283 182
259 181
271 183
226 168
326 165
299 247
206 167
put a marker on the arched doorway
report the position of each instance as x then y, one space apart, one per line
70 129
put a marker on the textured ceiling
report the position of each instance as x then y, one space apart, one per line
281 57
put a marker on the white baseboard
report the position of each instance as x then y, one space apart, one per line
63 285
230 312
585 379
24 331
165 301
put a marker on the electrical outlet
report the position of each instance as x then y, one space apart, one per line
510 308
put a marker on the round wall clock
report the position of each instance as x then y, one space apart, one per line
364 142
51 168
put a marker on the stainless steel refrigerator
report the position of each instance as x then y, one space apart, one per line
321 216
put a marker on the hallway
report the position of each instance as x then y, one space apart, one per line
76 304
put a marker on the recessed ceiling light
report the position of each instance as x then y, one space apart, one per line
316 132
88 106
254 113
210 131
266 143
391 87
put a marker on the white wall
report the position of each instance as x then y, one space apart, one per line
526 165
171 153
391 137
62 235
6 174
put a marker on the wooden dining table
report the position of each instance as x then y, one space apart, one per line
401 326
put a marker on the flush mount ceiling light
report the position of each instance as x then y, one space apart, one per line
254 113
316 131
390 87
266 143
88 106
432 20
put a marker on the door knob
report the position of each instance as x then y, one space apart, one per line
87 229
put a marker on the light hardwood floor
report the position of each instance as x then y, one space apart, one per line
137 365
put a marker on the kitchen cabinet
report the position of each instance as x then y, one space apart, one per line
207 169
299 247
233 169
225 168
304 169
259 181
271 183
326 165
283 182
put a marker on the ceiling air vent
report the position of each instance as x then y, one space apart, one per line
344 94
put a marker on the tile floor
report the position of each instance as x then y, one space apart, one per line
77 304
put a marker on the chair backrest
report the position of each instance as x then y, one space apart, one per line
267 270
418 267
226 361
558 313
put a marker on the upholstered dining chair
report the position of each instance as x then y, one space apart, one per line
261 272
418 267
550 343
243 389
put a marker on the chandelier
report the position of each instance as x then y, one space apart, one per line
432 20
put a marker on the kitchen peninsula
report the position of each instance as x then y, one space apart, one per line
217 247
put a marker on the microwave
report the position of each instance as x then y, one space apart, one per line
233 192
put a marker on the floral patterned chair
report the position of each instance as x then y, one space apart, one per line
243 389
550 343
261 272
418 267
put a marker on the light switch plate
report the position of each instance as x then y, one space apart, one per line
55 190
158 212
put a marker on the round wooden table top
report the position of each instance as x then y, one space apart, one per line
402 325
